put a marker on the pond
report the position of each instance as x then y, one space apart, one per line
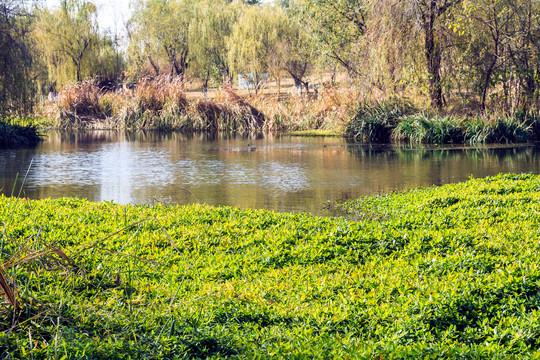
282 173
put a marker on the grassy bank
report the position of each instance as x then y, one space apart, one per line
15 135
163 105
443 272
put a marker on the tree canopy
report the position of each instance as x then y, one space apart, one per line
473 52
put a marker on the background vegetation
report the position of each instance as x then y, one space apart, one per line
464 57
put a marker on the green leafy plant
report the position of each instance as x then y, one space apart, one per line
449 271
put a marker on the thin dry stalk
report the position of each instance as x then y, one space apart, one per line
9 294
62 255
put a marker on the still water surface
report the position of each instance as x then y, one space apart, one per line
280 173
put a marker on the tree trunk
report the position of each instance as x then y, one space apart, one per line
78 72
225 76
205 84
489 72
433 58
279 87
256 81
154 66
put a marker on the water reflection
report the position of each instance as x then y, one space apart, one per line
279 173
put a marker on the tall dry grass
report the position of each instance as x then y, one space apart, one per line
79 106
154 104
157 104
330 109
162 104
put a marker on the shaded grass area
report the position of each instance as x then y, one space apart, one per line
14 135
441 272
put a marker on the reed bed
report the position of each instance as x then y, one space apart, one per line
79 107
157 104
447 272
431 129
485 129
399 122
497 128
161 104
328 110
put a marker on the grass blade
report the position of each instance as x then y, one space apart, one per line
25 176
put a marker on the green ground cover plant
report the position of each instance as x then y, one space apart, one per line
446 272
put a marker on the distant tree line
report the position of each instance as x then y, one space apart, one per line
451 53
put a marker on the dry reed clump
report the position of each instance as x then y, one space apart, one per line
228 112
238 113
81 98
158 104
79 106
292 114
208 115
336 102
328 110
161 104
154 104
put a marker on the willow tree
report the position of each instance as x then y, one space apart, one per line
430 15
416 30
299 50
16 86
161 28
67 37
213 22
499 42
336 29
524 51
255 41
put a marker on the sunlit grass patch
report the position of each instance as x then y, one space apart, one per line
315 133
450 270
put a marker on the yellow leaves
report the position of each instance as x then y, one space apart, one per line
91 7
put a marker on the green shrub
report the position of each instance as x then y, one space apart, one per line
17 135
424 128
496 129
374 123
